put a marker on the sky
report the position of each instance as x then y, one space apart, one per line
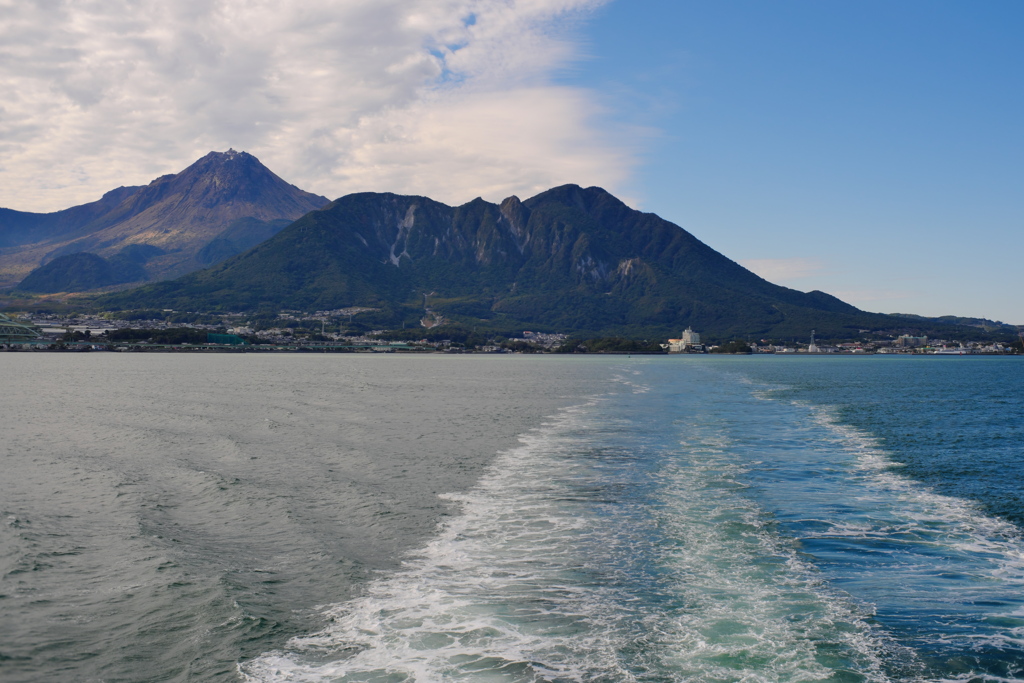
870 149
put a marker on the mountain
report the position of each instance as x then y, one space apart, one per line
570 259
224 203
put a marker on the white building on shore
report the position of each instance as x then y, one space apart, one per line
689 341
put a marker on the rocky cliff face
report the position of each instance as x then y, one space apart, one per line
176 215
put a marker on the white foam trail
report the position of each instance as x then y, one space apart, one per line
502 593
594 555
752 611
958 523
634 386
989 548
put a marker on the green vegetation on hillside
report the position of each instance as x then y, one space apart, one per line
174 335
609 345
733 347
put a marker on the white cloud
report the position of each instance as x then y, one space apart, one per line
780 270
450 98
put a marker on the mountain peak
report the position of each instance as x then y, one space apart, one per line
230 154
233 177
584 198
181 214
230 158
517 216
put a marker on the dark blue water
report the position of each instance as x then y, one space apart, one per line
958 427
926 526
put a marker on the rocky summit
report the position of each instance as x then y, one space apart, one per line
223 204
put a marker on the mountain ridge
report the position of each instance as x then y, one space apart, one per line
567 259
24 227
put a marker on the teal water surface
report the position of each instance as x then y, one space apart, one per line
737 519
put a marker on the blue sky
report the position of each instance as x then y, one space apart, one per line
874 150
871 149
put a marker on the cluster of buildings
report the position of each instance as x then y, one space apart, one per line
291 330
904 344
689 342
542 339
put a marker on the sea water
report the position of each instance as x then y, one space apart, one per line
387 518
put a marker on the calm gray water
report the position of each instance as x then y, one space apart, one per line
164 516
520 519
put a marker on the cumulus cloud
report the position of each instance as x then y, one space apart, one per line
449 98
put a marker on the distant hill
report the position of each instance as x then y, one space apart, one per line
961 321
221 205
81 272
570 259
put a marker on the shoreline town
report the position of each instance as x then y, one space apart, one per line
297 332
